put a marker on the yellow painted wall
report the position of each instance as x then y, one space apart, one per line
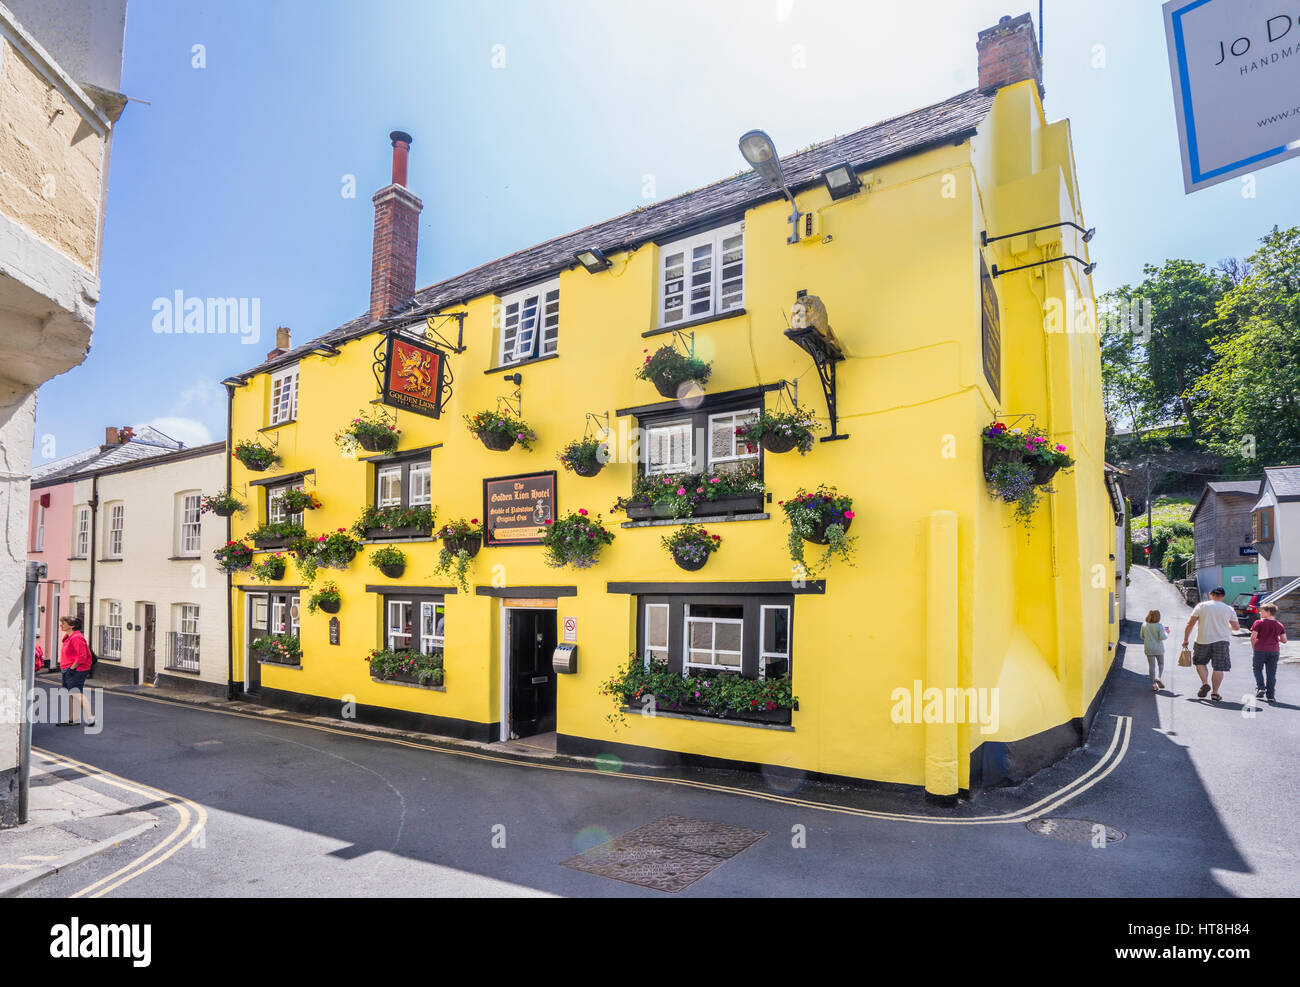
900 279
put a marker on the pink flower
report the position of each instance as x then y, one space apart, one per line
681 491
548 521
1060 448
699 490
582 511
715 479
848 515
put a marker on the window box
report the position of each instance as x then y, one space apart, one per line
267 658
411 678
776 717
379 532
723 506
271 543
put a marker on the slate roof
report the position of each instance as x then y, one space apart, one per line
951 120
1285 481
146 443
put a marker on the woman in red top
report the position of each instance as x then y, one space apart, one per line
75 660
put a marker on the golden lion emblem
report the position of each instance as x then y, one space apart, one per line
414 371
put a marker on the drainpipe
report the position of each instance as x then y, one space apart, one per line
941 768
230 609
88 630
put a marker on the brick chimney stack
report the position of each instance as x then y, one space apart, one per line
397 216
1008 53
282 343
110 435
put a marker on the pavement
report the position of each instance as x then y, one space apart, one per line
67 824
1196 799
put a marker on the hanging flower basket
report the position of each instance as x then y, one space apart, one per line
586 456
223 503
818 534
1043 473
389 560
374 432
780 432
1002 445
499 431
575 540
820 517
270 570
254 455
668 369
1044 458
327 599
690 546
469 543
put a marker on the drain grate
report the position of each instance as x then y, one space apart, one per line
1075 830
668 854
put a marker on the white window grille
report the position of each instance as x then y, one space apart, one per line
284 396
702 275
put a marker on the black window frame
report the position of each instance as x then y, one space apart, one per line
291 484
414 598
405 462
751 629
699 421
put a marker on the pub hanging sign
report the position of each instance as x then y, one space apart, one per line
411 375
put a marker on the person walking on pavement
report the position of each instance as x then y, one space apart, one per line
1267 636
1153 643
75 660
1214 621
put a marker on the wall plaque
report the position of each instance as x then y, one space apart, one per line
334 630
516 508
992 334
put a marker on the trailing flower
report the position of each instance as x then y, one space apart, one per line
373 431
780 431
821 516
585 456
223 503
691 544
1041 451
234 556
297 501
668 368
425 668
575 540
389 518
303 550
460 542
270 569
283 649
254 454
497 426
682 494
1013 483
328 596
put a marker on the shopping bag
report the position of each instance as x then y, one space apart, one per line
1185 659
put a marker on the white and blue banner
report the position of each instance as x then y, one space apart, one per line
1236 75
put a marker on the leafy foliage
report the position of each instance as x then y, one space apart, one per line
284 649
427 668
502 424
673 367
691 543
823 512
684 494
389 518
798 424
234 556
329 593
575 540
270 569
711 693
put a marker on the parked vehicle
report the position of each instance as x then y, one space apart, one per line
1247 607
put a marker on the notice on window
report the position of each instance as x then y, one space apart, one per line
1236 73
516 508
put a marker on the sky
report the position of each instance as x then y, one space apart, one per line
533 119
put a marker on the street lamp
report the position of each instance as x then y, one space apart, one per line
759 151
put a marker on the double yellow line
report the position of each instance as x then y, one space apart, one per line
1109 761
190 820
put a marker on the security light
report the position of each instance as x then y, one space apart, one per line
592 259
1090 268
841 180
757 149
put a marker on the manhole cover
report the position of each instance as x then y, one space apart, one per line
668 854
1075 830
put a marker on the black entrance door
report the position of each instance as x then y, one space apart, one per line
259 625
532 694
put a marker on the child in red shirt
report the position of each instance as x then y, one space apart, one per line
1267 635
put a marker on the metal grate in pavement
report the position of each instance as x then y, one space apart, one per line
668 854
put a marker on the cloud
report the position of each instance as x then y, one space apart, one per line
191 431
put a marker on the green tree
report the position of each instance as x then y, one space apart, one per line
1183 295
1249 399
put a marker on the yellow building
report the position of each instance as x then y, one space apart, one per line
939 338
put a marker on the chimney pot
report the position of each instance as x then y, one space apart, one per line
1008 53
401 151
282 337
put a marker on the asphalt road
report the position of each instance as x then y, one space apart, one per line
1204 794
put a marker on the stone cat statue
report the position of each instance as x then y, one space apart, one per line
809 311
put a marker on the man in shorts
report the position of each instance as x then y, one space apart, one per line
1214 621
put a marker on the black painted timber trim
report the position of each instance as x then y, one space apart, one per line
271 481
533 591
814 587
394 589
522 363
399 455
735 313
270 588
722 397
